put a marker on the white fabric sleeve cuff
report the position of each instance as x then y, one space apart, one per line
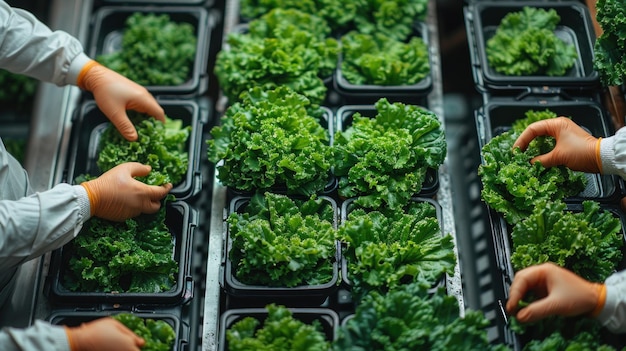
76 65
607 155
613 314
83 202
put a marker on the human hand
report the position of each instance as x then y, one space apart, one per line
115 94
104 334
559 291
575 148
116 195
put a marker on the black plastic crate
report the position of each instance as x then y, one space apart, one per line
497 116
344 114
328 319
303 295
91 123
109 23
76 318
182 222
348 205
369 94
482 18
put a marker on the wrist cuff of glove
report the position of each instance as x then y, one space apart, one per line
70 338
601 291
93 198
81 80
597 155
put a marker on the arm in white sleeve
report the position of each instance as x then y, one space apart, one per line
613 314
613 154
28 46
41 336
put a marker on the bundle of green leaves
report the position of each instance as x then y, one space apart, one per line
513 186
383 160
411 318
160 145
525 44
387 248
380 60
287 50
158 334
610 47
155 50
391 18
587 243
268 140
131 256
285 242
280 332
18 91
338 14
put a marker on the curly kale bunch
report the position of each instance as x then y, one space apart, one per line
160 145
525 44
511 184
391 18
380 60
157 333
610 47
155 50
269 140
383 160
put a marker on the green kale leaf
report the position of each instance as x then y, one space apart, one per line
160 145
158 334
269 140
380 60
279 241
280 331
610 48
155 50
391 18
383 160
511 184
525 44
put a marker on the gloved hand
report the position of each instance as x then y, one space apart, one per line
117 196
115 94
559 292
575 148
104 334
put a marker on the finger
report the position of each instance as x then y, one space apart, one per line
539 128
537 310
138 170
123 124
156 193
148 105
527 279
547 160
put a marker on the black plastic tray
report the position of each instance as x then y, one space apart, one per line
90 123
369 94
182 222
496 117
328 318
108 25
482 19
304 295
346 207
76 318
344 120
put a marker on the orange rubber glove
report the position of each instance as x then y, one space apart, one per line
104 334
114 94
560 292
117 196
575 148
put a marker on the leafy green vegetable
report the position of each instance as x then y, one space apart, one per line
283 51
410 318
18 91
387 248
610 47
160 145
587 243
392 18
279 241
525 44
131 256
158 334
380 60
155 50
511 184
338 14
383 160
269 140
280 332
